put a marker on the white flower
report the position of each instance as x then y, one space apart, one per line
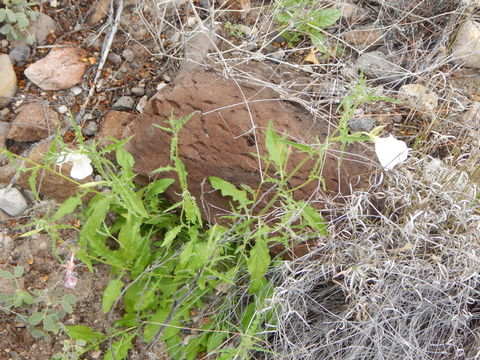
81 167
390 151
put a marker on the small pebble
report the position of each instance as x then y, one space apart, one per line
138 91
161 86
76 90
361 124
128 55
87 117
4 43
115 59
62 109
124 103
90 129
142 103
166 78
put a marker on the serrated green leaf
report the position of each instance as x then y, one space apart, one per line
170 236
3 14
228 189
154 323
4 274
18 271
86 333
215 340
67 207
313 218
119 350
36 318
111 294
258 263
277 149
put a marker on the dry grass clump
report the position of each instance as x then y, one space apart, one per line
399 282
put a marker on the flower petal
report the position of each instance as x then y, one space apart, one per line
390 151
81 166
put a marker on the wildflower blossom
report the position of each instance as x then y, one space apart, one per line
70 279
81 164
390 151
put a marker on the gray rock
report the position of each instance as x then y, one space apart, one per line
128 54
76 90
20 54
376 66
124 103
12 201
361 124
115 59
90 129
138 91
466 47
6 242
277 55
41 28
8 81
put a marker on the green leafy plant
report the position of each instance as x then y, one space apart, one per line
299 18
197 288
15 16
40 311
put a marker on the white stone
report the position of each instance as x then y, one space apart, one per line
142 104
418 97
12 201
466 47
62 109
76 90
8 81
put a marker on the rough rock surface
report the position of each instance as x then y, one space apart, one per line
61 69
418 97
112 125
8 81
220 138
41 28
12 201
466 48
375 65
34 122
364 37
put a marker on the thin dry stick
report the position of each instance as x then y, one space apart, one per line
105 50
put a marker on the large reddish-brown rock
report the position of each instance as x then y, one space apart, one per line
35 121
225 133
